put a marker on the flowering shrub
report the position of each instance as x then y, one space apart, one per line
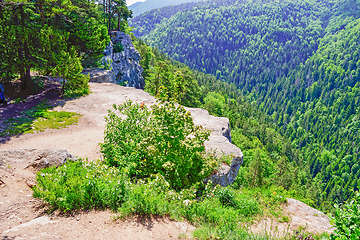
161 139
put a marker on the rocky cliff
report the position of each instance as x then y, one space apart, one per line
124 60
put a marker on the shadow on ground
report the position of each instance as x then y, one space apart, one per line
20 101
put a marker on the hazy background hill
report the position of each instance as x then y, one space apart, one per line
141 7
298 60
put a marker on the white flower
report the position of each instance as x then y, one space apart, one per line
187 202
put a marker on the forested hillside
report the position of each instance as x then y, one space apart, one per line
270 161
297 60
141 7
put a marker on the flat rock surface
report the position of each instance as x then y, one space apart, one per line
24 217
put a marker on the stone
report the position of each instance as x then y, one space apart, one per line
30 182
35 223
220 143
37 158
126 63
299 236
100 75
310 237
2 183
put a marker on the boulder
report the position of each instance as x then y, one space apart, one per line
100 75
37 158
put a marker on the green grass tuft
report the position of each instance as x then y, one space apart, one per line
38 119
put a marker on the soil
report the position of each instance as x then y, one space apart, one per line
24 217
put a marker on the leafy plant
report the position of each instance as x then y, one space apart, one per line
347 220
82 184
118 47
160 139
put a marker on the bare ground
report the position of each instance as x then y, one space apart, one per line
23 217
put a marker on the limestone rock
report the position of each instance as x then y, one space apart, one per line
100 75
37 158
220 142
126 62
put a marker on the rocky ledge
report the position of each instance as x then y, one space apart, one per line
100 75
36 158
220 142
124 60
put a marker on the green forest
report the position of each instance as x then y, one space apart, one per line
56 37
298 61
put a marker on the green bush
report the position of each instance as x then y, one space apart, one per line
226 196
347 220
118 47
148 197
69 68
82 185
162 139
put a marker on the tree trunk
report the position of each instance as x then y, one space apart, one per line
109 12
21 66
26 64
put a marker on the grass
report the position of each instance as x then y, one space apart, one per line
75 93
37 119
216 212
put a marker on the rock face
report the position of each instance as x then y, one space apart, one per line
99 75
37 158
220 142
124 60
301 216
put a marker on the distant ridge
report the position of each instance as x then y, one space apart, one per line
141 7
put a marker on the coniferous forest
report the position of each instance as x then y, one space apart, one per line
298 61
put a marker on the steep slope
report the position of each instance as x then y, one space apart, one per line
144 23
141 7
298 60
147 21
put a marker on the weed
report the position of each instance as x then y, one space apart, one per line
82 185
118 47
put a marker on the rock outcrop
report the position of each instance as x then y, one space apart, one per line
37 158
220 142
301 216
124 60
100 75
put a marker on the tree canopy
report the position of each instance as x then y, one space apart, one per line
298 61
